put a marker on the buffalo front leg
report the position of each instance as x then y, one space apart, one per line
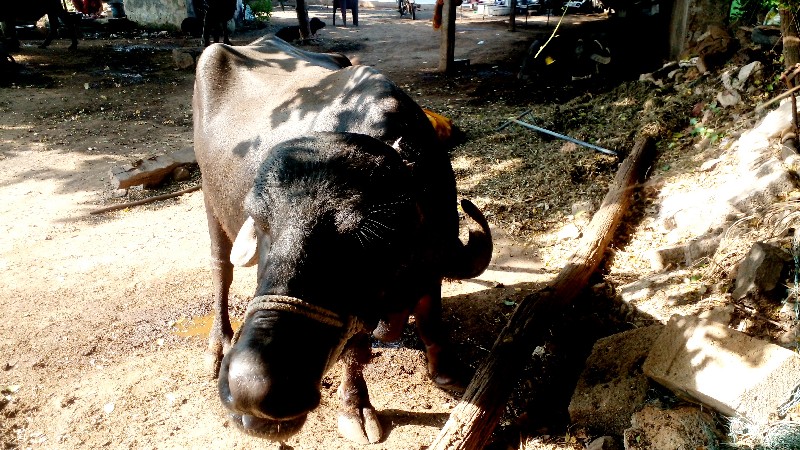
391 328
72 23
226 39
206 39
443 366
68 21
219 338
358 420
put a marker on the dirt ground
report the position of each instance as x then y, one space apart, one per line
103 315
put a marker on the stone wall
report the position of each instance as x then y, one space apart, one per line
691 19
158 13
163 13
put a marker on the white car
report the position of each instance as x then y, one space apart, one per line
579 6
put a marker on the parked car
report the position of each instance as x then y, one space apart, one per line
579 6
529 6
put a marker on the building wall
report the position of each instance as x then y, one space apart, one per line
157 12
678 32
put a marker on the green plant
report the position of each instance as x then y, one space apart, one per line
776 80
699 130
262 9
748 10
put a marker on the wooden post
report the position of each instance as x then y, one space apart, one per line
473 420
447 46
791 41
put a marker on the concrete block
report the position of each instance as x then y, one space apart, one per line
612 385
722 368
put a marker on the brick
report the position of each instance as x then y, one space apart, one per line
727 370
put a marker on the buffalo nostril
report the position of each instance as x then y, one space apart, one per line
254 388
247 383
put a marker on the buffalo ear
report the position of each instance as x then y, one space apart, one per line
244 252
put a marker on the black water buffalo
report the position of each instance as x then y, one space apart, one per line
215 15
292 32
34 10
331 180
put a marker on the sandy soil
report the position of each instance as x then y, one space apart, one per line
102 338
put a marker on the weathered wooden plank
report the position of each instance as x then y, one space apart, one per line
150 171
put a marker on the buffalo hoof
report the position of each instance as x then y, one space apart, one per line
447 371
358 421
449 382
360 425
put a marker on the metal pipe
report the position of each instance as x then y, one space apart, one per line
566 138
510 121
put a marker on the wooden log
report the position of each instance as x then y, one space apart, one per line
473 420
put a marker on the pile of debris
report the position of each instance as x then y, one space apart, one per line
724 367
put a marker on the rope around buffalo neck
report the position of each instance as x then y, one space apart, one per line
296 306
349 325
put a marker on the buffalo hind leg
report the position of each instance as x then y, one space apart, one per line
221 333
226 39
358 420
443 366
391 328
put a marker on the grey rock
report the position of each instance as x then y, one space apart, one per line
761 270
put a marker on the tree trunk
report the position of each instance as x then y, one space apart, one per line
791 42
473 420
302 20
447 46
512 19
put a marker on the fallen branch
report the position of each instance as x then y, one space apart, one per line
778 98
144 200
473 420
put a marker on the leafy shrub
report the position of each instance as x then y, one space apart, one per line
262 9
